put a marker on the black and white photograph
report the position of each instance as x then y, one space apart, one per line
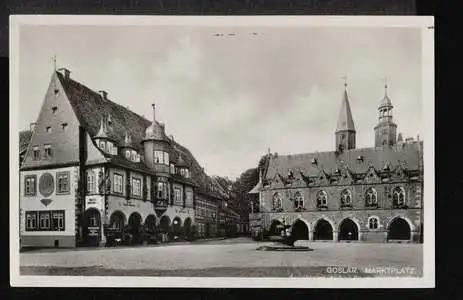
222 151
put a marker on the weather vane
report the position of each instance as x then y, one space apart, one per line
345 80
385 84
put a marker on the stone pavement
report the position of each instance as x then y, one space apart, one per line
232 255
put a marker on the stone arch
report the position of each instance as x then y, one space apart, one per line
300 229
410 223
399 228
348 229
117 220
92 226
177 225
134 227
353 219
150 221
323 229
164 223
276 226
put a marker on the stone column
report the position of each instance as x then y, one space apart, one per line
102 242
310 235
360 235
335 236
414 236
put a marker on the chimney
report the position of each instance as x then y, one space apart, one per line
103 94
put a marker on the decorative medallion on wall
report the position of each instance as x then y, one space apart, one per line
46 184
46 202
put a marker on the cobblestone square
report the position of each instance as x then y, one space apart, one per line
231 258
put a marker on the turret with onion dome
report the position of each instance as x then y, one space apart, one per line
385 131
104 139
156 146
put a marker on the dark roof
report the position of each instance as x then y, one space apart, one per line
404 154
345 119
90 108
24 139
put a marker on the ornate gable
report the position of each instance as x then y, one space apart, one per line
346 176
400 173
322 178
372 176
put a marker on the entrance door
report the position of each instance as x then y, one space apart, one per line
92 227
399 230
348 231
323 231
300 231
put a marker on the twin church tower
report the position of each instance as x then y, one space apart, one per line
385 130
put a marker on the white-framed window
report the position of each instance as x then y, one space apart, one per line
102 145
30 185
371 197
35 153
172 169
110 147
136 187
298 200
277 203
346 198
48 151
127 154
178 196
117 185
62 182
161 190
398 196
166 158
322 199
31 220
373 223
91 182
133 156
159 157
187 173
44 220
57 220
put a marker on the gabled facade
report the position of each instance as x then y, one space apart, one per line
369 194
93 169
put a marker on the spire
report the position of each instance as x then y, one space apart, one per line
102 133
386 101
155 131
345 120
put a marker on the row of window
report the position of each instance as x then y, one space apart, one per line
52 220
345 198
206 213
46 184
47 153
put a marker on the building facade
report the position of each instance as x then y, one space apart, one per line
92 169
369 194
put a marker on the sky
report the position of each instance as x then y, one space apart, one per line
229 98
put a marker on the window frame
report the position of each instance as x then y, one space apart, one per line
91 184
298 200
48 214
63 218
47 151
138 181
346 194
322 195
178 196
399 191
371 197
34 177
67 175
372 221
277 199
116 184
35 218
35 153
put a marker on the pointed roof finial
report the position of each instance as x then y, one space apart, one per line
345 81
102 132
54 62
385 86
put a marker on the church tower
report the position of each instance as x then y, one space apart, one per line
386 130
345 129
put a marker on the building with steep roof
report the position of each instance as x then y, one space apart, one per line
369 194
91 168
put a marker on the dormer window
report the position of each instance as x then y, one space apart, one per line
35 153
48 151
127 154
110 147
64 126
314 161
187 173
102 145
54 109
48 129
360 158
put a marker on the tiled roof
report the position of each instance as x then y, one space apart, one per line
24 139
404 154
90 108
